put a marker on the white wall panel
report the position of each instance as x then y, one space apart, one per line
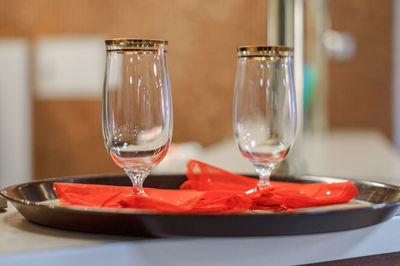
69 67
15 112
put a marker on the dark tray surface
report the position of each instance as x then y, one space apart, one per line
375 203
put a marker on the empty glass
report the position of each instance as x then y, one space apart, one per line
137 106
264 110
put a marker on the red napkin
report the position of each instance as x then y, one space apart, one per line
208 190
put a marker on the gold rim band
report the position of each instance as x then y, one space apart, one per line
135 44
257 51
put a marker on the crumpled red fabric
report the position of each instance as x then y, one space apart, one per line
208 190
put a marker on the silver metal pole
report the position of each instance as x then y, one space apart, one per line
285 26
280 26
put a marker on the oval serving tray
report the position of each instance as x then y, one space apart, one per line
36 201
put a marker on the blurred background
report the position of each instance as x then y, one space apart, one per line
52 64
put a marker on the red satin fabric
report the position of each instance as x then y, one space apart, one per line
208 190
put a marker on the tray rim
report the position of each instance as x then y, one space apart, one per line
127 211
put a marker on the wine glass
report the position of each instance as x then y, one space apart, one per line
137 106
264 109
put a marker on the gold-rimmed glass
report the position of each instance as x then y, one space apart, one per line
264 109
137 106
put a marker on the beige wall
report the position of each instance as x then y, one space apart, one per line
203 36
360 92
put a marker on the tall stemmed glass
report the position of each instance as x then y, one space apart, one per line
264 110
137 106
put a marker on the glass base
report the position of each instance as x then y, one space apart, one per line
259 188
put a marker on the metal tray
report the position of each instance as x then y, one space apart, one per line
375 203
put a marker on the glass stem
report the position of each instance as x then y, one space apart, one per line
137 177
264 173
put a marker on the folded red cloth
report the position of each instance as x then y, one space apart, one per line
208 190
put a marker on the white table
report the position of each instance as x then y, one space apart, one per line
360 155
364 155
